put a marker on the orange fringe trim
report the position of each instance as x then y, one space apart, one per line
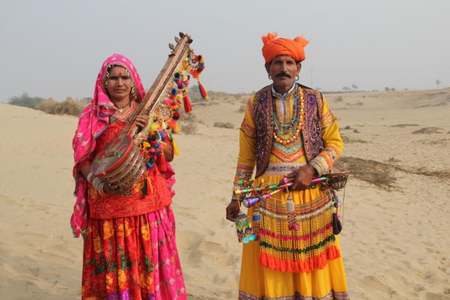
307 265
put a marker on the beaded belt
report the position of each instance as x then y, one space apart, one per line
282 169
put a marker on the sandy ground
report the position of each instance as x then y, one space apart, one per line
396 240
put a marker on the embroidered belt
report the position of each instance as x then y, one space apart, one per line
282 169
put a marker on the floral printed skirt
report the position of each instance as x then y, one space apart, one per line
132 258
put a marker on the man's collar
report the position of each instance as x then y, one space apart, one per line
285 95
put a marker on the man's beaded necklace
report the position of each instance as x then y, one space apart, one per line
294 126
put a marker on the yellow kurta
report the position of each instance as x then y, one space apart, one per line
284 263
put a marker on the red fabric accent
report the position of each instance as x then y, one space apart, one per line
307 265
115 206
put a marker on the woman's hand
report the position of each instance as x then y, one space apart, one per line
142 121
107 189
99 185
302 177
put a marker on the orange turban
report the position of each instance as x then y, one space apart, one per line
275 46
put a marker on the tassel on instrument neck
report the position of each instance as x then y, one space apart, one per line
202 89
187 104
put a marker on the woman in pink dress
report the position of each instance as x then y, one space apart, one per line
129 240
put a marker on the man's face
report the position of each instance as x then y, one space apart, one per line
283 70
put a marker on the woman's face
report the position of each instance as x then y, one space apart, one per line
118 85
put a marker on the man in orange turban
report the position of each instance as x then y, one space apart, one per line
288 134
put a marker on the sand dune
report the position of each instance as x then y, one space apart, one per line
395 238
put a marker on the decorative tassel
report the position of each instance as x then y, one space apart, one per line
187 104
292 222
179 83
162 163
202 89
144 188
176 150
337 226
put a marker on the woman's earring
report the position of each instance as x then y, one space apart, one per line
133 91
297 78
270 77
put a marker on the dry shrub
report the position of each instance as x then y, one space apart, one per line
403 125
374 172
67 107
428 130
351 140
223 125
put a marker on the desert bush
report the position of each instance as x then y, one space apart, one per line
26 101
223 125
67 107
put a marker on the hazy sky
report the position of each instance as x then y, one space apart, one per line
55 48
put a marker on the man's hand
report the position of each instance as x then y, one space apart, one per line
233 210
302 177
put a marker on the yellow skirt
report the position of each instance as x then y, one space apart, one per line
261 283
285 264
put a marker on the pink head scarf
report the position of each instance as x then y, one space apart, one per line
92 122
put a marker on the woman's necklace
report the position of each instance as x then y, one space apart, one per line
123 108
122 113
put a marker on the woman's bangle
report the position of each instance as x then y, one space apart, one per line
90 177
98 184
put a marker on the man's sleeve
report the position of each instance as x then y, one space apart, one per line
246 158
333 144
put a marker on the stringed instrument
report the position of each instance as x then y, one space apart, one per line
121 164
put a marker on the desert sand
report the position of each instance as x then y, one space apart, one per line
395 241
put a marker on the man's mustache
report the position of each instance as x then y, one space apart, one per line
283 74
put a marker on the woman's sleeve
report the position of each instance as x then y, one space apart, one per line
246 157
332 140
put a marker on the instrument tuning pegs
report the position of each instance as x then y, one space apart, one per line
181 35
177 39
171 46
